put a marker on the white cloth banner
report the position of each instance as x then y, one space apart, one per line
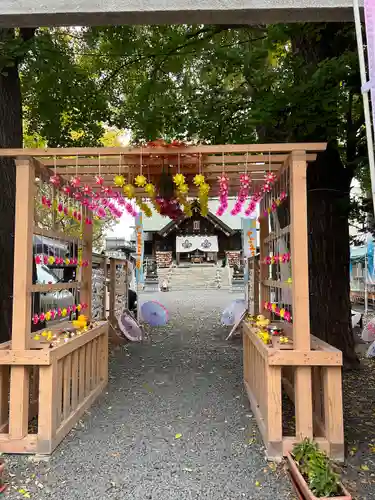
186 244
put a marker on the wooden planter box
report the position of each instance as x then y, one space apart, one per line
303 491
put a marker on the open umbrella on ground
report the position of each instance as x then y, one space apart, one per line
233 313
129 327
154 314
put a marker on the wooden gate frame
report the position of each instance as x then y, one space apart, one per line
310 371
57 384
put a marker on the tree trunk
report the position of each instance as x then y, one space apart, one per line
328 185
10 137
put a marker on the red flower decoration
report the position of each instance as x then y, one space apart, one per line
55 180
75 181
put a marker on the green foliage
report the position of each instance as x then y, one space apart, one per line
314 465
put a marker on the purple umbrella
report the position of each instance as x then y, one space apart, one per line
129 327
154 314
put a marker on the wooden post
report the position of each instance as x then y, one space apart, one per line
112 289
264 290
21 324
299 250
48 407
103 265
274 412
86 290
333 410
300 288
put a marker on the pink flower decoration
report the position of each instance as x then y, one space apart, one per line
42 317
87 189
55 180
270 177
45 259
60 207
101 212
77 195
59 312
38 259
75 181
99 180
74 308
67 190
35 319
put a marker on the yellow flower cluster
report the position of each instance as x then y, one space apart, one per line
140 181
264 336
119 180
204 189
145 208
129 191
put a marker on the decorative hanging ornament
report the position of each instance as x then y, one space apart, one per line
55 180
223 196
119 180
99 180
242 194
140 181
75 181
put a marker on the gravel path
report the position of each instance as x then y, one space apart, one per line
174 425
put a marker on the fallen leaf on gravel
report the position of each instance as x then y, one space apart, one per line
257 484
364 467
178 436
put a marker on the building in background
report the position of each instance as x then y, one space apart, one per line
193 240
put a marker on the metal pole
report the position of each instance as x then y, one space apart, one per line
366 103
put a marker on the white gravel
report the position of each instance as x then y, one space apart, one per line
186 380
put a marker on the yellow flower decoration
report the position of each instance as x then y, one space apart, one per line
48 315
129 191
179 179
64 312
140 181
273 307
119 180
204 189
282 313
36 337
150 189
51 260
199 180
183 188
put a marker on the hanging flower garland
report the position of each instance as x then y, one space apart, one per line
282 258
269 179
67 261
203 190
223 194
275 203
182 191
281 312
242 194
58 313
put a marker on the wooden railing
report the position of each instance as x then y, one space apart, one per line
268 371
68 379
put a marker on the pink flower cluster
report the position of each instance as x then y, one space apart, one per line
223 197
283 258
275 309
51 259
104 203
254 199
57 313
242 194
275 203
269 179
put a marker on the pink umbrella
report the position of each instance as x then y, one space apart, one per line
129 327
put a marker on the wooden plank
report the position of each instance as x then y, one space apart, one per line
67 386
82 370
76 415
23 357
255 340
4 394
304 358
111 164
206 149
104 358
112 290
23 253
274 411
50 287
256 411
303 402
275 236
275 284
57 235
19 402
86 285
75 378
88 369
333 409
59 397
94 366
62 350
25 445
48 404
299 251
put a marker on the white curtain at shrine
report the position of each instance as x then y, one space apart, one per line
186 244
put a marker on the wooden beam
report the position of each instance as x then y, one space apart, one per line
50 287
29 357
206 149
58 235
114 163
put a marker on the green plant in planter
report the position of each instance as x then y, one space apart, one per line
314 465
